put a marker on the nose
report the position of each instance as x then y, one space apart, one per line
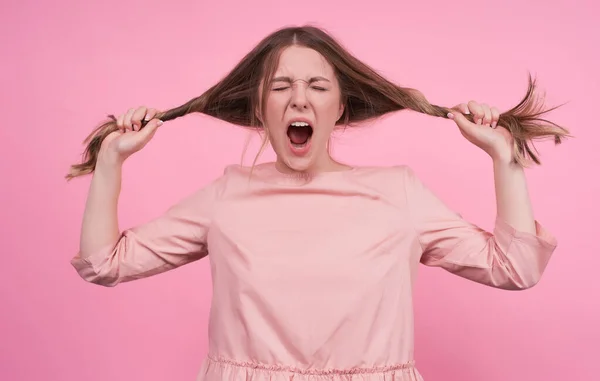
299 100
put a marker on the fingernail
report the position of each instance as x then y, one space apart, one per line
493 124
450 115
147 117
160 122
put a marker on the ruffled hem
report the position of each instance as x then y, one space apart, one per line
219 369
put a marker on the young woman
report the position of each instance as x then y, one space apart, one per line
313 261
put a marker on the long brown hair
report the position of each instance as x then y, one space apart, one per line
365 93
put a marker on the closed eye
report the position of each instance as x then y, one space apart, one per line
318 88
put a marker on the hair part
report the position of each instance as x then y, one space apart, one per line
366 95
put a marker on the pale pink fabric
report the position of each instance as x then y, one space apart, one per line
313 276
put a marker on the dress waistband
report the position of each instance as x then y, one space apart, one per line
314 372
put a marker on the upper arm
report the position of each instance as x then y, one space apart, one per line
439 228
176 237
503 258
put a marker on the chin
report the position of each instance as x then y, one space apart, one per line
296 164
298 158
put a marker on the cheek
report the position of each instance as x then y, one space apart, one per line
329 109
274 113
275 108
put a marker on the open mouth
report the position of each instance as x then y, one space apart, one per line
299 133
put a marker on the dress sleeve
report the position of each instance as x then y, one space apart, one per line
171 240
506 258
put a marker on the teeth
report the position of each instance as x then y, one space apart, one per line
300 124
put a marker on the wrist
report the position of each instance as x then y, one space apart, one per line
109 160
502 159
504 163
109 165
506 169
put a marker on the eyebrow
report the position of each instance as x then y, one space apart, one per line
288 79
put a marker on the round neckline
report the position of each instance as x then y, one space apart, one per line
306 174
269 171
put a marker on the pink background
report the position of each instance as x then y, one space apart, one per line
66 64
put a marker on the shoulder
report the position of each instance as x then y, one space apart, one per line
214 187
399 181
392 182
393 175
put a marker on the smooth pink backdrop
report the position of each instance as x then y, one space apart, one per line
66 64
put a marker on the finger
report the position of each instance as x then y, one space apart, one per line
477 111
136 119
465 108
462 122
127 122
462 107
151 113
487 115
120 121
495 116
148 132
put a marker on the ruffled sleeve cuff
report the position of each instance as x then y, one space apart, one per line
542 239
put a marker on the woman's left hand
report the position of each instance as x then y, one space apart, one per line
496 142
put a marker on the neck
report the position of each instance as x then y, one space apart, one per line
328 164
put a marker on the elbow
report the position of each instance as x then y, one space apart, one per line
504 281
92 274
520 281
521 257
99 280
522 269
521 285
99 268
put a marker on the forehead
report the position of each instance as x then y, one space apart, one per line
299 62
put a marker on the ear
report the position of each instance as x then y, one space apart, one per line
258 115
257 107
341 110
258 112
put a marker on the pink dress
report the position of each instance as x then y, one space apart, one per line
313 277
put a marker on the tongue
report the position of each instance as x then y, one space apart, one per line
299 135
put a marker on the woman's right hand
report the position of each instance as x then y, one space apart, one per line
130 137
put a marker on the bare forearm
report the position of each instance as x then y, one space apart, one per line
512 196
100 226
